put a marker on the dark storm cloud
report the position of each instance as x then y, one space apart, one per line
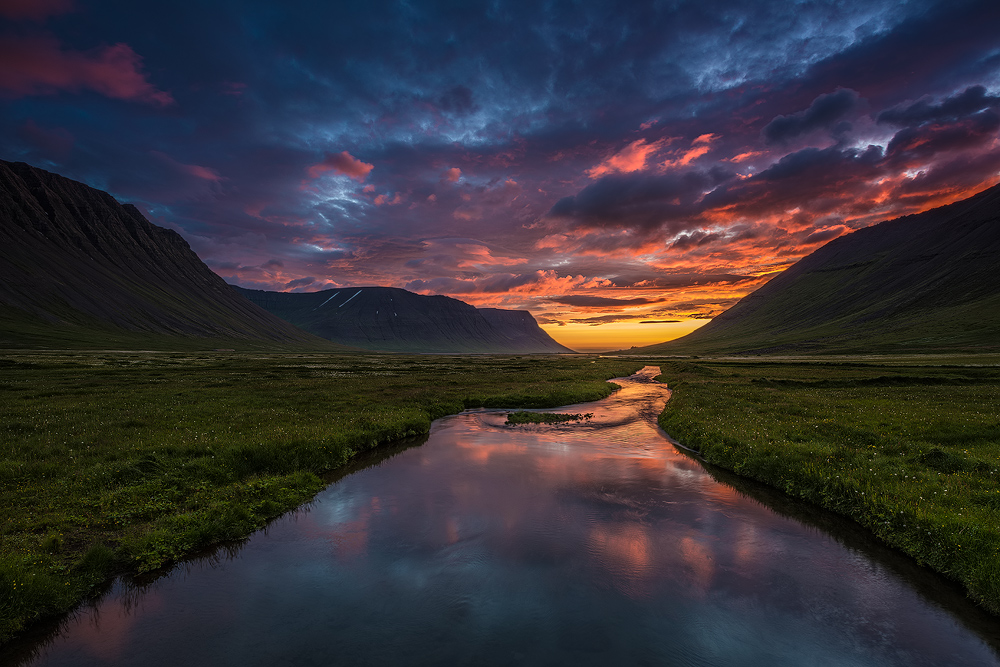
492 285
600 302
677 203
642 200
300 282
969 101
348 141
823 113
925 141
939 45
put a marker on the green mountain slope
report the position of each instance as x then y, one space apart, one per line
80 270
922 283
395 320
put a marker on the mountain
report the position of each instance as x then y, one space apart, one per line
395 320
78 269
921 283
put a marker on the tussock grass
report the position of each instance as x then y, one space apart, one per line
115 462
911 452
522 417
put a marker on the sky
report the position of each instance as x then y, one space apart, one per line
623 170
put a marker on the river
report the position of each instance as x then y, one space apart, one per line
587 543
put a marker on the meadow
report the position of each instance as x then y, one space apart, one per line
128 461
907 447
125 462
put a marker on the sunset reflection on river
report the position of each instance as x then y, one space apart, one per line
583 543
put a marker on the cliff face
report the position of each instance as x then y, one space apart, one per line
927 282
392 319
72 257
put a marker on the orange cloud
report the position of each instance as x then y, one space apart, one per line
452 175
342 163
38 66
743 157
631 158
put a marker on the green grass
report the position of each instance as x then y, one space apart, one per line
114 462
522 417
910 451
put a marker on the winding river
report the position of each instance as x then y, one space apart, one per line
589 543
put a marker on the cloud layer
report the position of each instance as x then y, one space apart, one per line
598 163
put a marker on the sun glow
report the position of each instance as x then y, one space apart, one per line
619 335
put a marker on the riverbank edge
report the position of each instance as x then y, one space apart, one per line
906 532
260 504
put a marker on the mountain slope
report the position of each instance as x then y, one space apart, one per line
79 269
922 283
392 319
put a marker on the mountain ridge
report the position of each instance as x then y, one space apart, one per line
926 283
79 268
396 320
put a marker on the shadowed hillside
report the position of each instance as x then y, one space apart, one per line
922 283
395 320
78 269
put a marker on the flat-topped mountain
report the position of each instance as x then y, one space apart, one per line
395 320
78 269
921 283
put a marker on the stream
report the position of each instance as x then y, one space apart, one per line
595 542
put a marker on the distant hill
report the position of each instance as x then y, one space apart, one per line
78 269
395 320
922 283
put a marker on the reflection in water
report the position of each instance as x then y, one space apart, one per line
581 543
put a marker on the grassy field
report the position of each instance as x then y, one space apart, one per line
128 461
908 447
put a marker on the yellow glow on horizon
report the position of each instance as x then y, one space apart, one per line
619 335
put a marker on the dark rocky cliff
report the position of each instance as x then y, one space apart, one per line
392 319
72 257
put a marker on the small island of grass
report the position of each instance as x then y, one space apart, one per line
523 417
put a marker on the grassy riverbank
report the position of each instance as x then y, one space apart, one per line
909 448
128 461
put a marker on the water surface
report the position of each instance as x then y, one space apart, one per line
580 544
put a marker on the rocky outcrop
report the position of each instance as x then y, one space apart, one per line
392 319
71 256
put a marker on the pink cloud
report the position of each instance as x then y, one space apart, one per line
385 200
198 171
452 175
342 163
631 158
38 66
34 10
204 173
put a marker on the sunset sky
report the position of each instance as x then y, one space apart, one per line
622 170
